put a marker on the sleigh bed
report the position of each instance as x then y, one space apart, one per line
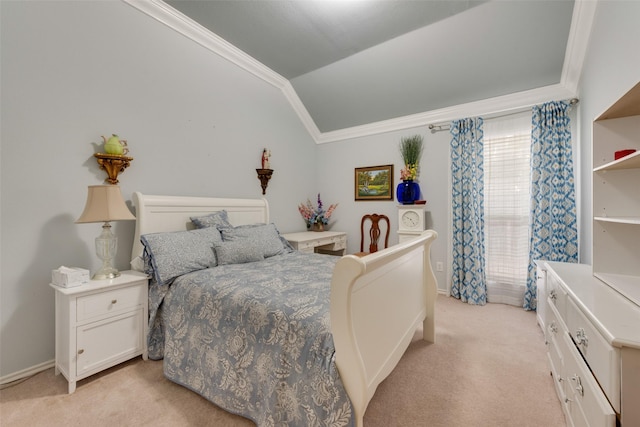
265 331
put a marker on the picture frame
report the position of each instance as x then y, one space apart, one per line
374 183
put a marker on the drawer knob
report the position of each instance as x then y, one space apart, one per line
581 337
81 351
553 295
114 301
553 328
578 382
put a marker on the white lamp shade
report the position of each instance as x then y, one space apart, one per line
104 204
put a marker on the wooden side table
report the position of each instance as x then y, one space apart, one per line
331 242
100 324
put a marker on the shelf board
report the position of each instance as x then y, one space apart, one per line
632 161
629 286
628 105
618 219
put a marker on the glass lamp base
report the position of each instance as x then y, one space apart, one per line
106 246
106 273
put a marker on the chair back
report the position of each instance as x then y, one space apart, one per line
374 231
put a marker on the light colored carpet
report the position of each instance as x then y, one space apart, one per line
487 369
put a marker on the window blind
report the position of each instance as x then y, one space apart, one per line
507 143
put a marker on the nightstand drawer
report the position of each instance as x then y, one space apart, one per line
108 302
106 342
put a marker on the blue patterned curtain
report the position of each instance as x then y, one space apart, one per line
554 234
468 282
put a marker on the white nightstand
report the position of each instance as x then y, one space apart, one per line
100 324
332 242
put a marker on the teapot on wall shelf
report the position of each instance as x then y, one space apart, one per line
114 145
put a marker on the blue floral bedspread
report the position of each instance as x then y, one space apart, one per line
255 339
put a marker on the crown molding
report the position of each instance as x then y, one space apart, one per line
575 53
184 25
485 108
577 43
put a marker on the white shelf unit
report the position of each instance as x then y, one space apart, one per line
616 196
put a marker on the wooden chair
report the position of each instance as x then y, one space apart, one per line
374 233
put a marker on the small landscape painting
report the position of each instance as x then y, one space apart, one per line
374 183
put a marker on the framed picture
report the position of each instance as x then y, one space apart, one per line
374 183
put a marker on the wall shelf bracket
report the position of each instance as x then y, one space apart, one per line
264 175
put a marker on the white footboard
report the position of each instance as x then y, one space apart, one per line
377 302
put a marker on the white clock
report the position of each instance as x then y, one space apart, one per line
411 219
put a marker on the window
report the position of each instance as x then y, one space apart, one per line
507 151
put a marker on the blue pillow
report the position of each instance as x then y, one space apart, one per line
237 252
265 237
172 254
214 219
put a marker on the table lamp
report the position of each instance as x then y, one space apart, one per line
105 204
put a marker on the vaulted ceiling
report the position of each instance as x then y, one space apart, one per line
352 68
353 63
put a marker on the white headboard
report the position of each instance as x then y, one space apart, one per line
155 214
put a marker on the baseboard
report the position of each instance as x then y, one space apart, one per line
25 373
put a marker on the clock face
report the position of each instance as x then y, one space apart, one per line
410 219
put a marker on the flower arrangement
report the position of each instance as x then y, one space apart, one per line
410 172
411 150
316 215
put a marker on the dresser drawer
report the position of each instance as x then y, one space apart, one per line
305 246
557 294
553 337
602 358
111 301
553 320
337 243
589 407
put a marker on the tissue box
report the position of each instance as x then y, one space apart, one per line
68 277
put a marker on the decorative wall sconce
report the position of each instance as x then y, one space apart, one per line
113 164
264 174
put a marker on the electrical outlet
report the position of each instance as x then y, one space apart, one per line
439 266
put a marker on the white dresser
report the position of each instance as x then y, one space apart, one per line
592 333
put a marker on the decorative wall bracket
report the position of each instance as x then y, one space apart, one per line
113 164
264 175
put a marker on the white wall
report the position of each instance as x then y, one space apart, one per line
196 125
611 68
336 164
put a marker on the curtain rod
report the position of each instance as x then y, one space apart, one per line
437 128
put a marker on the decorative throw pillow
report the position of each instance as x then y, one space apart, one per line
237 252
169 255
262 236
214 219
